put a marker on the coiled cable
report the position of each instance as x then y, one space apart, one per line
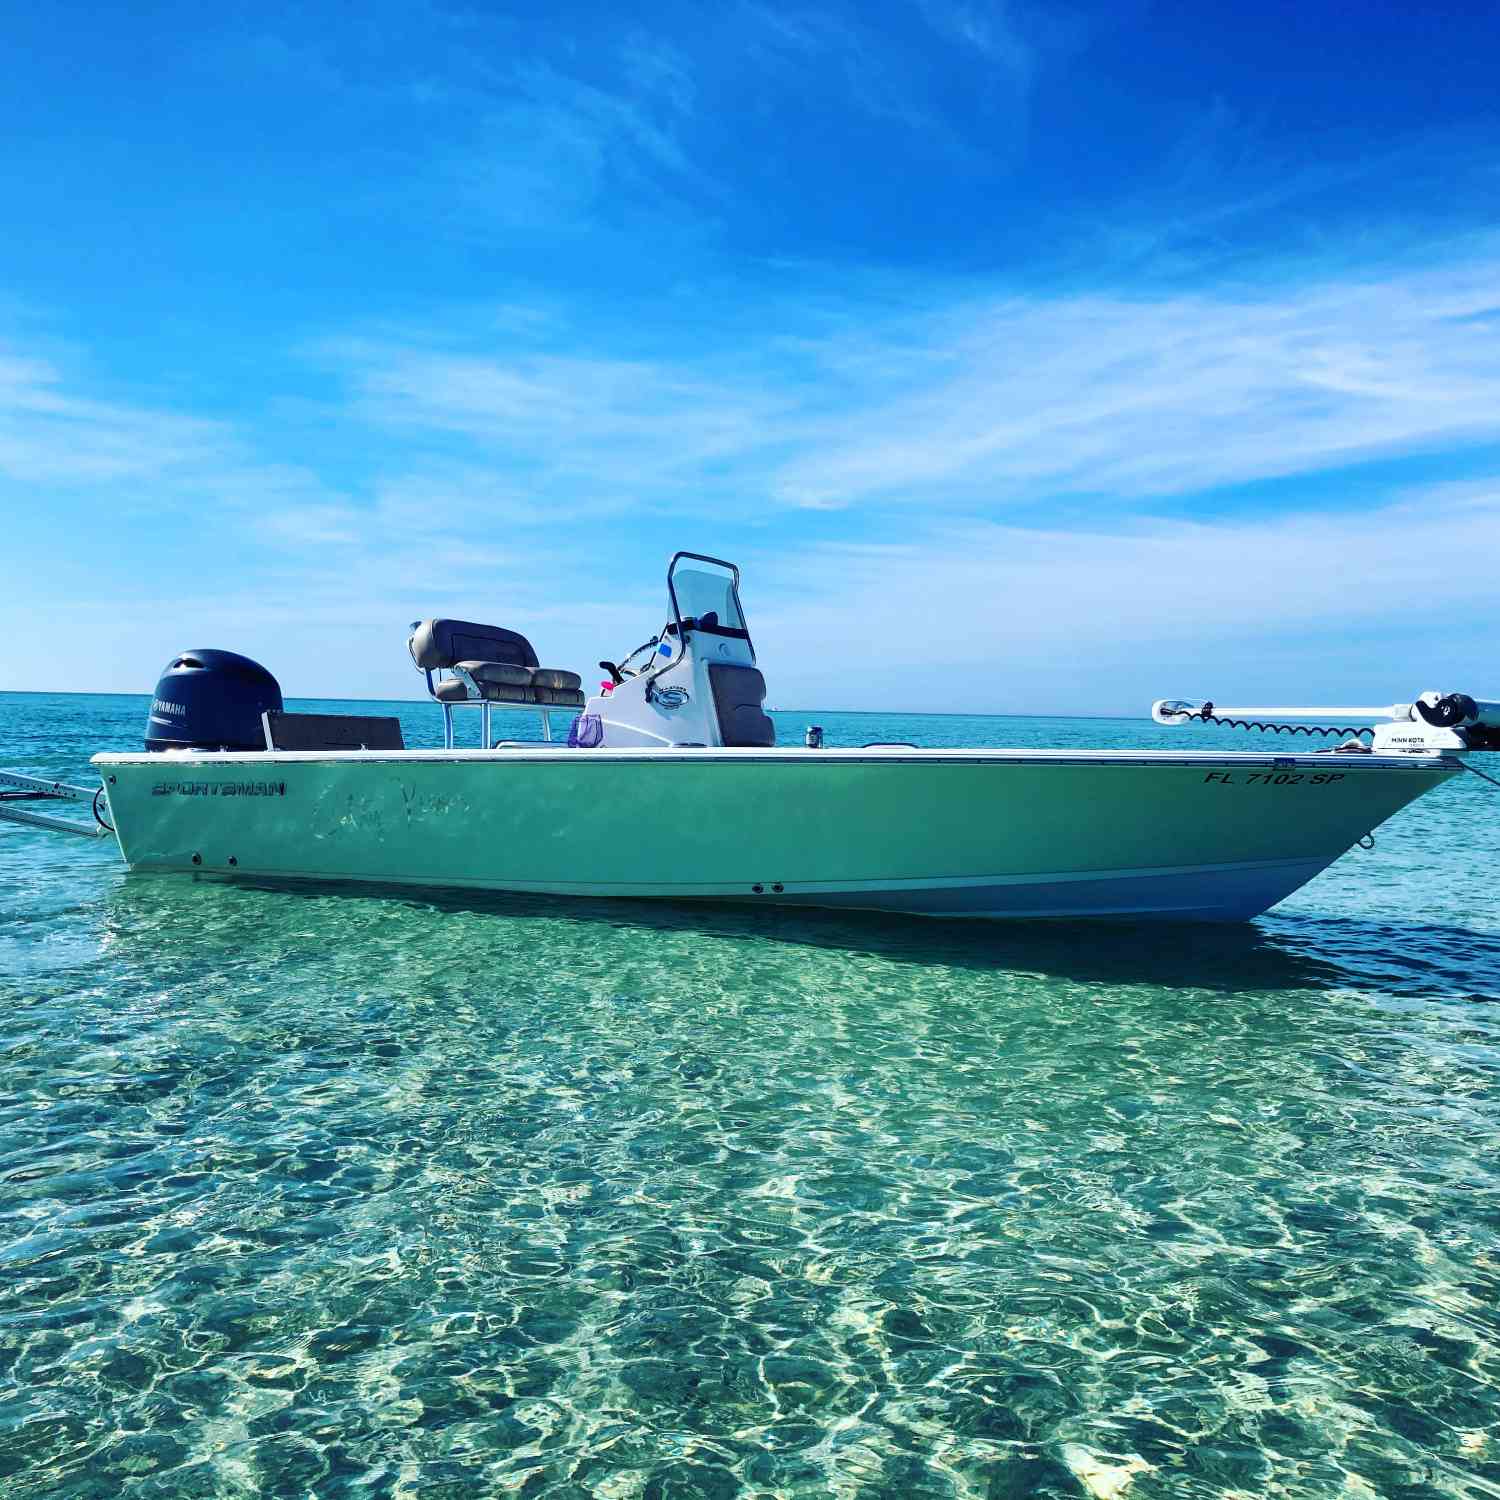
1207 715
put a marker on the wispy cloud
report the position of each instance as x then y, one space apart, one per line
658 70
1160 396
451 503
976 401
988 29
967 404
553 149
968 616
796 41
896 445
528 130
50 434
1140 608
598 427
65 450
841 55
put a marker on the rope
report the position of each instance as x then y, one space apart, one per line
1482 775
98 816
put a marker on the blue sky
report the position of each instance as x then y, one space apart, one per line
1047 358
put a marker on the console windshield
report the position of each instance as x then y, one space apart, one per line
706 595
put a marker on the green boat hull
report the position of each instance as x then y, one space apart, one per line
982 833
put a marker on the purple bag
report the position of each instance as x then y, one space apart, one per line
586 732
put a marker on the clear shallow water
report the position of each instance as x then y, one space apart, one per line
354 1194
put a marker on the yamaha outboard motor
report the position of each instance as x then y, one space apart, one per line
211 700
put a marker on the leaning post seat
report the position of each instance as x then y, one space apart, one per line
465 662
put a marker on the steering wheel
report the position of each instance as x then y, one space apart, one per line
624 668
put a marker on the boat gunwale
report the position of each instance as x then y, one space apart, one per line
791 755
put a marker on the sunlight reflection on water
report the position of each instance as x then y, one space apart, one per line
365 1194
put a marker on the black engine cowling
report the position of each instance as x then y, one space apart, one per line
211 700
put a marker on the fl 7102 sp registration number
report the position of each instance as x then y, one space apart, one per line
1272 778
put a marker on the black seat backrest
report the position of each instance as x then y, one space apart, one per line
738 695
285 731
441 643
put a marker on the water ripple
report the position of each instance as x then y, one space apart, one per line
363 1195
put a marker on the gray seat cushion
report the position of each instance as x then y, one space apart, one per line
508 692
494 680
496 673
442 643
738 695
550 677
559 697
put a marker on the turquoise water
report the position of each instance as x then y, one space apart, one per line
363 1195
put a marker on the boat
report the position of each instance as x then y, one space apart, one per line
669 785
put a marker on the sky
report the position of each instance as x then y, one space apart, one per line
1027 358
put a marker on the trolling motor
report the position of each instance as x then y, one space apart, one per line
1431 723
